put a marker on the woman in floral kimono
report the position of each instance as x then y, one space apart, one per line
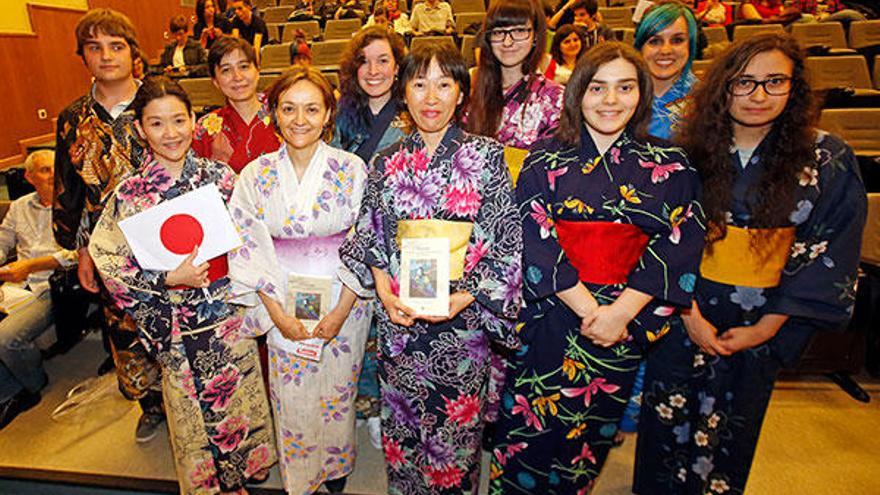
514 103
293 208
786 207
371 117
438 182
510 100
611 238
239 132
218 416
667 38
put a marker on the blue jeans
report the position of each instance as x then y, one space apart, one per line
21 366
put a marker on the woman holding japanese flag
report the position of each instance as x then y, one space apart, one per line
218 417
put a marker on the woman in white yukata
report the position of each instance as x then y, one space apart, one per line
293 208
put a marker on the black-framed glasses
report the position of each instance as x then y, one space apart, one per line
775 86
516 34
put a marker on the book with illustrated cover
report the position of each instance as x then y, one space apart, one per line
424 275
308 299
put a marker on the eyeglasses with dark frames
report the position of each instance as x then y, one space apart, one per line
516 34
774 86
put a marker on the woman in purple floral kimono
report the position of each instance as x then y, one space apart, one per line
218 416
433 370
511 101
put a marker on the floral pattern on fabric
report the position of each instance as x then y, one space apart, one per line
702 414
564 395
433 376
224 136
217 411
531 111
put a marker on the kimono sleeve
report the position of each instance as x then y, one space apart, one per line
668 268
552 108
365 245
545 266
493 262
70 190
141 293
253 267
818 281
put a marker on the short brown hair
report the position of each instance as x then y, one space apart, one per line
294 75
571 120
225 45
178 23
108 22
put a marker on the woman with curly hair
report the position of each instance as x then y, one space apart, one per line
371 117
785 207
567 47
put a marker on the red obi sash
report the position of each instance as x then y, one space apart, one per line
602 252
217 268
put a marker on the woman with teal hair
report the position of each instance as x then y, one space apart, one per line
667 38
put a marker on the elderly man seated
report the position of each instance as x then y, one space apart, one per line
27 228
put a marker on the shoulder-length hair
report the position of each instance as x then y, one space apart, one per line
450 63
707 136
660 17
353 117
572 121
561 34
484 116
294 75
108 22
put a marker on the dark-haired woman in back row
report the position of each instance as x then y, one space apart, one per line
438 182
218 416
785 207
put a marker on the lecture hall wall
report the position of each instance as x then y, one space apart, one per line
39 67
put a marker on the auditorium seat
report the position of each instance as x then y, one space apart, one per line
828 34
311 28
202 93
277 14
859 127
747 31
461 6
275 58
341 29
864 33
617 17
327 54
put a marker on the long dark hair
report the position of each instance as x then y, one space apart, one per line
353 117
484 116
572 120
707 135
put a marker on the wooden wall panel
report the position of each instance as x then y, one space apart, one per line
43 70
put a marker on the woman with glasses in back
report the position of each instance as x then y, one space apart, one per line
785 207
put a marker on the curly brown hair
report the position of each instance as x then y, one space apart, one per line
707 135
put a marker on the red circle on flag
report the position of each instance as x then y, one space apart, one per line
181 233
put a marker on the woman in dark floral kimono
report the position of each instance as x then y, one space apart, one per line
785 207
611 239
218 416
433 371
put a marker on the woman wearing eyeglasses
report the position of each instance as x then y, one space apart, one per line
510 100
512 103
785 207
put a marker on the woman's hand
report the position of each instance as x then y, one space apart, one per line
290 327
457 302
188 274
740 338
703 333
398 313
606 326
329 326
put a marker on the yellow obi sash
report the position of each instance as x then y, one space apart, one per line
733 261
458 233
514 158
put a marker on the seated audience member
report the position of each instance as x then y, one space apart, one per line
827 11
248 25
585 13
27 228
303 10
211 23
714 13
566 49
432 17
350 9
184 56
299 50
388 14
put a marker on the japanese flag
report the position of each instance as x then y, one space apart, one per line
162 236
